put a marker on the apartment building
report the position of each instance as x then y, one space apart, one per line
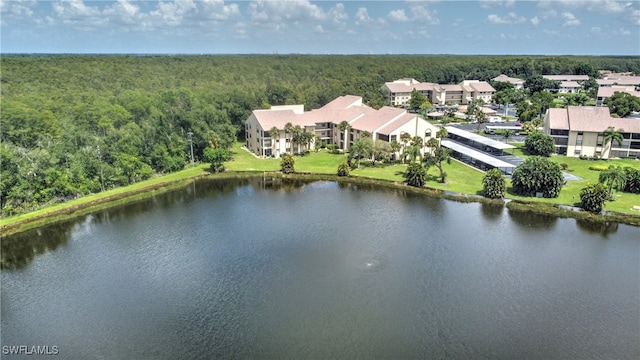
385 124
579 131
398 92
607 92
517 83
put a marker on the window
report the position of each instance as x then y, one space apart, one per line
580 133
577 152
578 142
394 138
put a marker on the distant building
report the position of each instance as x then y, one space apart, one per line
607 92
517 83
561 78
398 92
579 131
385 124
569 87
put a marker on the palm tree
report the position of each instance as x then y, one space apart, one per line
611 135
507 134
614 176
395 147
358 150
442 134
274 133
296 138
344 127
405 137
432 144
288 129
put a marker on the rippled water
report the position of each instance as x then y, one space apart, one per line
263 269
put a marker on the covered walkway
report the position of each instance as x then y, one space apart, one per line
477 158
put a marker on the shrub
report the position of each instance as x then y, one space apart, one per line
538 143
216 157
538 175
343 169
564 166
287 164
598 167
633 180
493 184
415 175
594 197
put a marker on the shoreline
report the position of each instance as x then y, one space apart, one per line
63 212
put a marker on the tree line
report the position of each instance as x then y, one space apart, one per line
73 125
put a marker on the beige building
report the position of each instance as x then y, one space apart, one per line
579 131
607 92
385 124
517 83
398 92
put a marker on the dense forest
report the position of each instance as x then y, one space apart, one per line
72 125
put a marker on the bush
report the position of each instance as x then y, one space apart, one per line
633 180
538 175
538 143
216 157
415 175
594 197
287 164
598 167
343 169
493 184
564 166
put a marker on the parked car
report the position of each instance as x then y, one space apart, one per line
518 124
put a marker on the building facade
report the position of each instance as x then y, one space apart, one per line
580 131
398 92
266 135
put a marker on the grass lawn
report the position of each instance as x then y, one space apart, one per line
570 193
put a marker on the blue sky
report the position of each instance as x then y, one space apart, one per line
547 27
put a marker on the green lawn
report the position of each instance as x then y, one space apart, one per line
570 193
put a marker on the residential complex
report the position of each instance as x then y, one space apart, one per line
385 124
579 131
607 92
398 92
518 84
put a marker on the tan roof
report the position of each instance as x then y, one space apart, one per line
279 118
619 80
566 77
589 118
372 121
482 86
395 87
571 84
345 101
394 125
606 92
505 78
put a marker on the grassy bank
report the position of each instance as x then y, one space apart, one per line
461 179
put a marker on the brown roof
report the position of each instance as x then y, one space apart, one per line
589 118
482 86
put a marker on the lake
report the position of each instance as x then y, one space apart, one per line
272 268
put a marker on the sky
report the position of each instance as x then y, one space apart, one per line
545 27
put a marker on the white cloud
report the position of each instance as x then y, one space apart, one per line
419 13
535 21
398 16
488 4
570 20
362 16
338 15
217 10
172 13
596 30
622 31
77 14
279 11
510 18
319 29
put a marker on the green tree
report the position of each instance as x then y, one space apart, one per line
287 164
593 197
416 100
343 169
540 144
216 157
344 127
405 138
442 133
537 175
611 135
614 177
493 184
507 134
632 176
440 155
359 150
274 134
288 136
415 174
622 104
395 148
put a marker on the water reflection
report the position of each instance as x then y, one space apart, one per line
533 221
20 249
492 211
604 229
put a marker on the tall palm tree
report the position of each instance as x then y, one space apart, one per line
442 134
432 144
614 176
507 134
344 127
296 138
611 135
288 129
405 137
274 133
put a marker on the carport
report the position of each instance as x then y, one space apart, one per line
479 142
475 158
